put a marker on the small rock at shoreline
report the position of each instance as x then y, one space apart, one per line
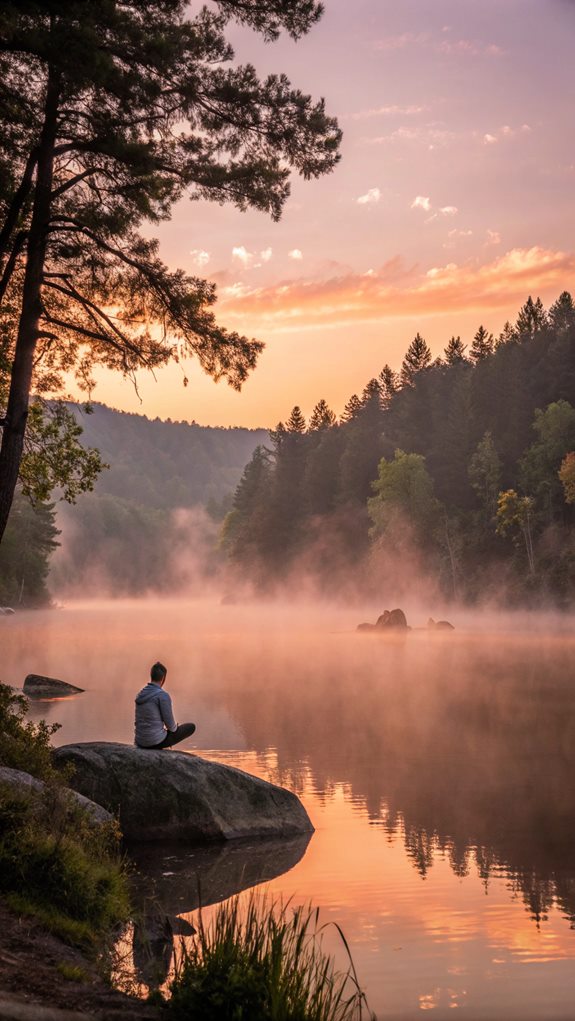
26 784
38 686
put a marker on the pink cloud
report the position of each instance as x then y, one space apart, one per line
396 292
389 111
445 47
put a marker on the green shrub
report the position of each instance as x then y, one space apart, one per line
24 745
262 963
61 863
55 863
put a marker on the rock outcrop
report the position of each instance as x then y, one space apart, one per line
168 795
38 686
390 620
394 619
439 625
26 784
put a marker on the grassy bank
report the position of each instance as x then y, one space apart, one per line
56 864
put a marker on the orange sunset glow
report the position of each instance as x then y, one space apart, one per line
451 204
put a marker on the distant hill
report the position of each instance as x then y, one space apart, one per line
166 465
153 518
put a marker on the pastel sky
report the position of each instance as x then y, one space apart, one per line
454 200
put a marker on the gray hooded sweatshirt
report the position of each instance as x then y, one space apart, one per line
154 716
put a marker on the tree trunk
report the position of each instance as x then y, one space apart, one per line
27 337
17 203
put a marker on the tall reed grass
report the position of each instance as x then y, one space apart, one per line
263 961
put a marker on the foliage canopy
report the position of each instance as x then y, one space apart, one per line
111 113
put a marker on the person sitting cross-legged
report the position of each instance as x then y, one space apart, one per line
155 726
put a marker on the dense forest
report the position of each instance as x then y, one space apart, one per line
125 533
455 476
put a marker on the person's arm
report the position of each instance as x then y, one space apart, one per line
166 712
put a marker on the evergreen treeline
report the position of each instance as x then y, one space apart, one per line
29 540
463 465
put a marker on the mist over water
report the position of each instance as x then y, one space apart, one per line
437 769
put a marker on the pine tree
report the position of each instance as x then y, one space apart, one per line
352 409
322 417
562 314
277 436
483 345
455 351
532 319
247 527
389 385
417 358
371 392
508 335
31 537
296 422
109 114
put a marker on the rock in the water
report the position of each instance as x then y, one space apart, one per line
6 611
37 686
439 625
168 795
365 627
392 619
24 783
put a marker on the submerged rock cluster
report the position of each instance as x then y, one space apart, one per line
395 620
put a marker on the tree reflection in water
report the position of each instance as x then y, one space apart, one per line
464 746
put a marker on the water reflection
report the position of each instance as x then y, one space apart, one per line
171 881
464 746
438 769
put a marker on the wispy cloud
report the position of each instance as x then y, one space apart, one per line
295 254
469 48
424 202
430 135
248 259
200 257
388 111
372 196
400 42
241 254
396 292
421 202
506 133
454 47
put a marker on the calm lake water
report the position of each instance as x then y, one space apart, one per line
438 770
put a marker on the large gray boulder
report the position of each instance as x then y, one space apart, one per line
24 783
167 795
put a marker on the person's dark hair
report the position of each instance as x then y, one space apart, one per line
158 672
